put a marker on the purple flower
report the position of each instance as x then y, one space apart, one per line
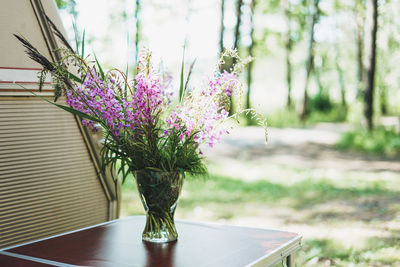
204 113
199 119
98 98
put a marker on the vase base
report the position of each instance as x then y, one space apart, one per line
159 229
158 240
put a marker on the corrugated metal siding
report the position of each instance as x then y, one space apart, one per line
48 184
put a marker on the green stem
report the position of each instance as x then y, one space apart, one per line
159 226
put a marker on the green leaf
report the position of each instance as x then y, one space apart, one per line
42 78
188 76
66 108
76 36
182 74
182 172
74 78
100 68
126 77
83 44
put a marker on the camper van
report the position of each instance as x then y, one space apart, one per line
50 181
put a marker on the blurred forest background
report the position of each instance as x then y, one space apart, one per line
326 76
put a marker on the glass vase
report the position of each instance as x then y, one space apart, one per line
159 192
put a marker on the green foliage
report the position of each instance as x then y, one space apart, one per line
100 69
283 118
64 4
321 103
151 150
83 45
326 249
181 86
379 141
290 118
336 114
377 252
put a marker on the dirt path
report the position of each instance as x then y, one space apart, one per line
303 148
295 155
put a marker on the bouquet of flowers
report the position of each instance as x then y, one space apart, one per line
146 131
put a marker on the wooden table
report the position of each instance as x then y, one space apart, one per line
118 244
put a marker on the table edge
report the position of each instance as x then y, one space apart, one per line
231 225
37 260
278 254
58 235
275 256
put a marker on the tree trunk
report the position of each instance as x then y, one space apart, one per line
288 48
137 28
360 21
235 44
383 99
369 92
251 53
222 28
339 71
317 76
238 21
310 58
338 65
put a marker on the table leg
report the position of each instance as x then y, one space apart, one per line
290 260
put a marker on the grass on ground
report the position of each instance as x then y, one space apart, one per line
290 118
309 201
381 141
